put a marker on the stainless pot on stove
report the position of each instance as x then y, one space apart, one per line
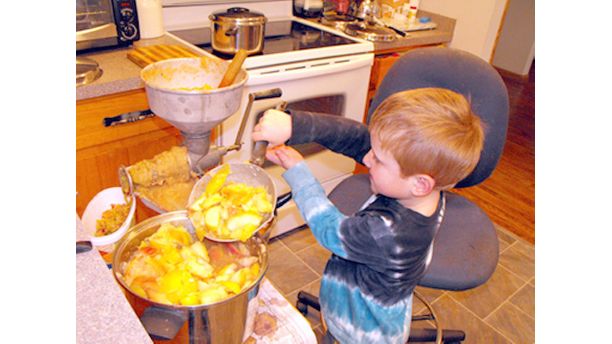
366 10
237 28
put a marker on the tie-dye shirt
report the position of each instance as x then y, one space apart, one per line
379 253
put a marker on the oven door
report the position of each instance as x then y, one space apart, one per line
337 86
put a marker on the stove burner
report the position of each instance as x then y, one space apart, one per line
338 21
373 33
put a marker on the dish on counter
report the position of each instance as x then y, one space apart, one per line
101 203
112 219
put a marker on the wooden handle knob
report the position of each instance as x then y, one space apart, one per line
234 68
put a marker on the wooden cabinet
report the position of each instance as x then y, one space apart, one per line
382 64
101 150
383 61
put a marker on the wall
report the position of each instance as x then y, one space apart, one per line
516 45
477 22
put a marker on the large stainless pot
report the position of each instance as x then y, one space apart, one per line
237 28
226 321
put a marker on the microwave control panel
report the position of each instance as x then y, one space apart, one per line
126 19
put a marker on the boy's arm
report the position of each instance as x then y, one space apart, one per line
325 220
336 133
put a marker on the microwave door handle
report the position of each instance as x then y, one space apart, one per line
313 69
103 31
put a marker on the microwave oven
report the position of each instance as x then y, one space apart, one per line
106 23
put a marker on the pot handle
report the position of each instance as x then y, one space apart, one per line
282 199
162 323
83 246
237 10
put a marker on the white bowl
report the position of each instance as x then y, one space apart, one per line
98 205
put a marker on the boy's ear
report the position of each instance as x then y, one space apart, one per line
423 184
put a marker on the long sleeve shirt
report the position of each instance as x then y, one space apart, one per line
378 253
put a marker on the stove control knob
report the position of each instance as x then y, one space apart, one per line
129 32
127 14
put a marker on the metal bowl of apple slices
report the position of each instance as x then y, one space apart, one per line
234 201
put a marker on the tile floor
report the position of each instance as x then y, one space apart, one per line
500 311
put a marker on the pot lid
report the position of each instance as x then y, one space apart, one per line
369 32
238 15
87 71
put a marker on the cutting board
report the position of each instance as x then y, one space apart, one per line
143 56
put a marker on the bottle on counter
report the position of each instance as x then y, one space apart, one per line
413 8
391 8
150 18
342 6
308 8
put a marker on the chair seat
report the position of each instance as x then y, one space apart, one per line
465 249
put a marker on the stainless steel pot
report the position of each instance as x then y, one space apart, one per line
225 321
366 10
237 28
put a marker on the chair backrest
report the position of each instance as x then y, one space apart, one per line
463 73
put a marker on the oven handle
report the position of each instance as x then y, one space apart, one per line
102 31
308 69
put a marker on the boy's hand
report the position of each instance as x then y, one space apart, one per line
284 156
274 126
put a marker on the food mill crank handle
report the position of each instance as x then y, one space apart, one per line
214 156
255 96
258 154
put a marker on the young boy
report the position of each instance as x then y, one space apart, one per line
420 142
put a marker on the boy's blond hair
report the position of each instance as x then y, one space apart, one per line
430 131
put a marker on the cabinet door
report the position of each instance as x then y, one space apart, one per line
101 150
382 64
97 167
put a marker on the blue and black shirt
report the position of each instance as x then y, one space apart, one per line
378 254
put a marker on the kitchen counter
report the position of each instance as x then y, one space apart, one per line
103 314
442 34
121 75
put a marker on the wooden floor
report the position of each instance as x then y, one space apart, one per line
508 196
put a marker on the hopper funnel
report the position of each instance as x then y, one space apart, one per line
183 91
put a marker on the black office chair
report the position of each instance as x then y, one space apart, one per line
466 249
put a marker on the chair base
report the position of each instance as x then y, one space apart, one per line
417 335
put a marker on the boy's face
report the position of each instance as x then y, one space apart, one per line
385 176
